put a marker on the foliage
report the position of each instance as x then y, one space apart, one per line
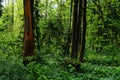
12 68
101 61
103 29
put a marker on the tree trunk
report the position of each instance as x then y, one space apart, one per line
83 31
76 34
1 8
28 30
74 47
67 45
13 12
79 27
37 29
46 13
8 2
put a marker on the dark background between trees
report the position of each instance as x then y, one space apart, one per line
59 40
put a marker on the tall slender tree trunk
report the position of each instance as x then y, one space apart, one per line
13 12
5 2
28 30
76 34
83 31
67 45
8 2
37 29
46 14
1 8
79 27
74 47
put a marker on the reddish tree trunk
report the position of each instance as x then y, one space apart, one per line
28 30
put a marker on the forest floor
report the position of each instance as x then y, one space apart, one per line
50 68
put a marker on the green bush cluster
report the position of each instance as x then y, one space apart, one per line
12 68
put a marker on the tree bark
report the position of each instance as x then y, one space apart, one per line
37 29
79 27
28 30
83 31
74 47
1 8
76 34
13 12
46 14
67 45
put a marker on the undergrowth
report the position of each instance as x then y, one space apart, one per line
50 68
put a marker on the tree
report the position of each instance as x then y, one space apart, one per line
68 41
76 32
74 49
28 30
103 26
37 29
79 30
1 8
83 30
13 12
